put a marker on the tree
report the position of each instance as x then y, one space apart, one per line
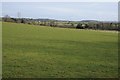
23 21
79 26
7 18
72 24
86 26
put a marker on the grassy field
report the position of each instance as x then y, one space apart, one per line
36 51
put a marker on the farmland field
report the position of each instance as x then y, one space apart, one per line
31 51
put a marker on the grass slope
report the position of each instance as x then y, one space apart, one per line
34 51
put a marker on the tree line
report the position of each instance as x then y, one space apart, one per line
96 25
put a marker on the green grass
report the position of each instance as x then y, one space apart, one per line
35 51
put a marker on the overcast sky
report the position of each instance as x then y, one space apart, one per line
103 11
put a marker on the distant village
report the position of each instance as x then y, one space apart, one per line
84 24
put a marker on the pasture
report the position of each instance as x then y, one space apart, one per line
31 51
